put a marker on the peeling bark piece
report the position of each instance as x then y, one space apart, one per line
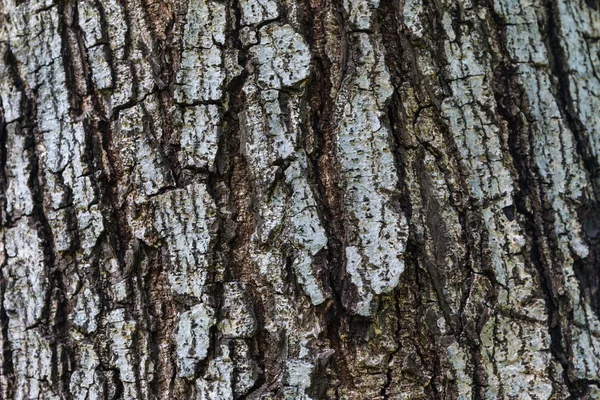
297 379
128 353
283 60
86 310
308 236
33 365
246 371
562 169
95 40
518 374
479 140
24 301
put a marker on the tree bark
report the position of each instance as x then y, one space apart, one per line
312 199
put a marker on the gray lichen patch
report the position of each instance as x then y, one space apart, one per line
193 338
360 12
282 56
140 157
374 261
202 73
18 169
256 11
199 128
26 275
237 316
128 353
289 216
189 239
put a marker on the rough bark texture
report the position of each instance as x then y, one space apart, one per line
315 199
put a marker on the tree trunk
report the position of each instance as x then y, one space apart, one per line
300 199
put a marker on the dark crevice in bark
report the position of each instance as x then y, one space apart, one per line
7 383
63 355
104 41
587 270
160 313
163 65
114 218
102 159
113 388
529 203
323 170
80 89
231 186
559 67
53 328
72 57
396 114
323 166
3 157
6 366
402 60
137 311
430 94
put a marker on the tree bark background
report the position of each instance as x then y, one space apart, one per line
315 199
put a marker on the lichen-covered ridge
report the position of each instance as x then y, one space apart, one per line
280 199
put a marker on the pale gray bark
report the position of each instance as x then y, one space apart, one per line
316 199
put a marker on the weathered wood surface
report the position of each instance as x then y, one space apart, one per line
316 199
